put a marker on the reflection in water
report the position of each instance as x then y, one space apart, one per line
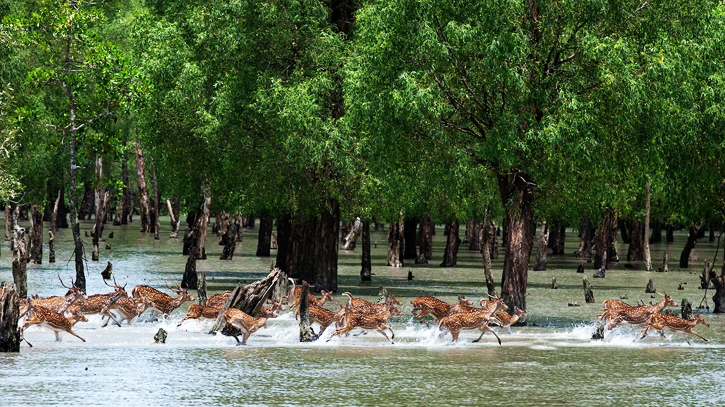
551 361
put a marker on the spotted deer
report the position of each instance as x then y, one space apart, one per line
611 305
504 320
297 297
356 302
325 317
636 315
248 324
367 321
478 319
99 304
429 305
218 300
56 303
129 308
163 303
55 321
662 321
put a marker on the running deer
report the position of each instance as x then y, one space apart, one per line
478 319
504 320
50 319
218 300
159 301
325 318
129 308
248 324
367 321
356 302
296 293
428 305
611 305
662 321
56 303
199 312
100 303
636 315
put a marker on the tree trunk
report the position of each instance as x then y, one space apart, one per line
305 335
51 230
344 230
493 241
284 231
656 233
691 241
201 290
557 238
474 244
425 240
249 223
624 228
326 270
174 215
264 242
586 234
670 234
647 257
517 199
36 235
122 208
204 226
8 236
9 316
20 260
487 231
95 233
192 237
395 242
143 192
352 235
603 241
542 248
453 242
157 198
98 227
719 282
711 238
636 241
229 239
88 203
366 270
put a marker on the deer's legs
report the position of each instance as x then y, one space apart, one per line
643 332
419 317
698 335
76 335
57 336
485 329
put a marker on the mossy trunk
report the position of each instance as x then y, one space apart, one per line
264 241
453 242
542 248
395 245
9 316
143 192
425 241
586 235
691 241
87 204
588 293
366 269
229 238
36 235
474 243
203 227
8 234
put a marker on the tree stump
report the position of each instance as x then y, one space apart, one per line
305 335
686 309
554 285
663 268
588 293
382 295
201 289
580 268
20 261
9 316
161 336
650 289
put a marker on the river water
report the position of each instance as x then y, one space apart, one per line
551 361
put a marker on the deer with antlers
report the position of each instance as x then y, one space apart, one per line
101 303
53 320
429 305
56 303
367 320
504 320
662 321
128 307
247 324
636 315
611 305
477 319
325 317
163 303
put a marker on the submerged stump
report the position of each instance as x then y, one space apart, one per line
650 289
588 293
9 316
686 309
305 335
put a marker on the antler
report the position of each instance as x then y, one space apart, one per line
493 297
63 284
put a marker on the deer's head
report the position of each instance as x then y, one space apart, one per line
700 320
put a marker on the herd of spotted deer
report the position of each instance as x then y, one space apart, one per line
61 313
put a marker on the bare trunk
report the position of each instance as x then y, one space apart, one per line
557 238
656 233
493 241
691 241
98 200
395 243
190 280
409 238
326 267
624 228
51 230
7 222
453 242
174 216
36 235
647 257
670 234
157 198
486 232
143 192
586 234
9 316
249 223
229 239
474 243
284 231
80 281
204 227
719 282
517 198
88 202
20 259
305 335
636 241
344 230
603 238
122 209
201 290
425 240
366 270
98 227
264 241
711 238
352 235
542 248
